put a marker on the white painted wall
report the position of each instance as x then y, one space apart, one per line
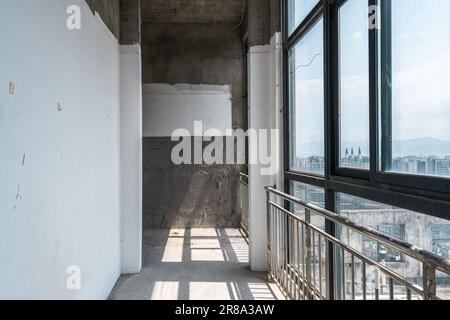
170 107
59 170
265 112
131 161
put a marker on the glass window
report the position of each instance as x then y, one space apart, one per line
424 231
307 102
354 85
416 114
309 194
298 10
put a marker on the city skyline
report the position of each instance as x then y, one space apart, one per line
422 146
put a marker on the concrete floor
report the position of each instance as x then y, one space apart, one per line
195 264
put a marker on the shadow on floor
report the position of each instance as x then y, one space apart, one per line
195 264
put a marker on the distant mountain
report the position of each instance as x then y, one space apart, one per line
414 147
421 147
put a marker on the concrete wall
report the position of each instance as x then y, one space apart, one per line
60 152
187 196
209 54
196 54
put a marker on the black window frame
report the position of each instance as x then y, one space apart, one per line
423 194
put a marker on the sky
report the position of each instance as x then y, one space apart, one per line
421 72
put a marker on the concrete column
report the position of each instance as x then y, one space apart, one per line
275 17
265 105
130 22
276 102
258 22
131 135
259 118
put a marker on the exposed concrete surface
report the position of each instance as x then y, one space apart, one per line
130 21
192 196
196 264
275 16
192 11
258 22
187 195
109 10
196 54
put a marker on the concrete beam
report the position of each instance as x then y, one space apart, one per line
192 11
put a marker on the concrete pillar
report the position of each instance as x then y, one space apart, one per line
258 22
265 105
259 118
131 136
130 22
275 17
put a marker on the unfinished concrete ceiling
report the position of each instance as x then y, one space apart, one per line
192 11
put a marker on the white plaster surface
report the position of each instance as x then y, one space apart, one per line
265 101
259 118
131 158
59 152
170 107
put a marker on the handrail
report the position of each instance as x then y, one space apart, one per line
415 252
393 275
242 177
243 180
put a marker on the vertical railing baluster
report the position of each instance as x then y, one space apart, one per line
377 284
408 294
308 252
314 283
343 274
320 267
277 241
299 284
335 271
280 247
429 282
273 242
296 264
291 269
353 278
286 240
284 254
364 283
391 288
269 249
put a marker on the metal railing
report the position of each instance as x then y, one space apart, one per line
243 179
309 263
